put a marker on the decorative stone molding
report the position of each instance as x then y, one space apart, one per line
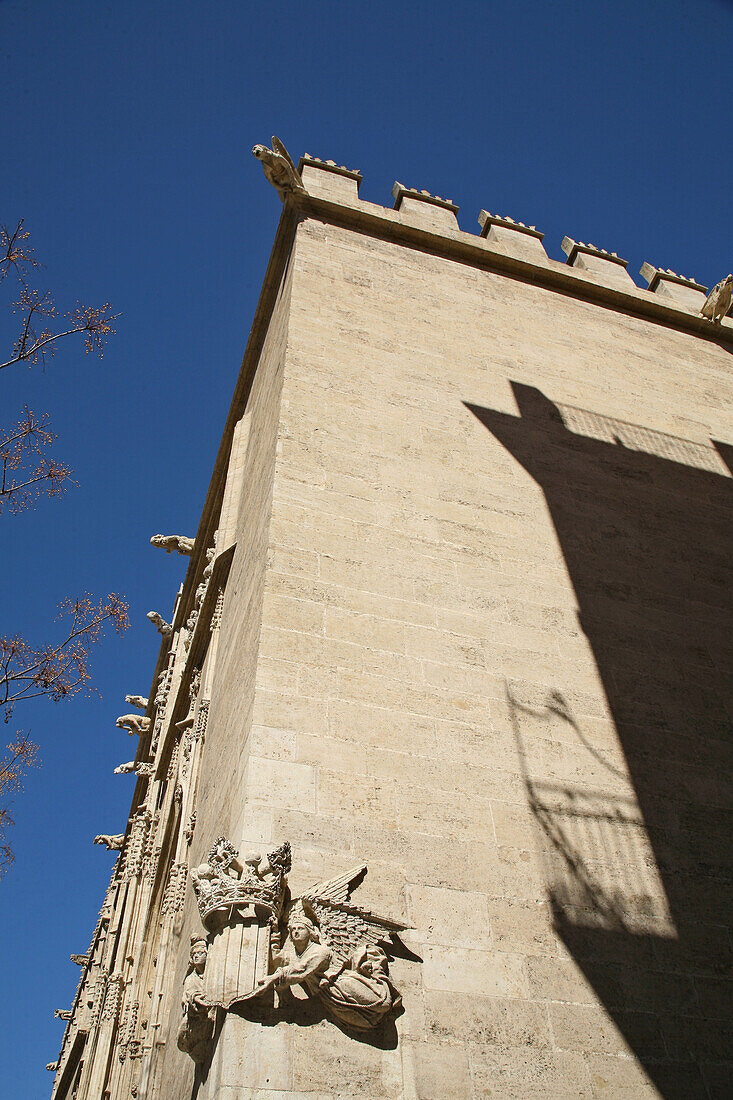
113 998
164 684
160 624
201 591
175 891
218 608
277 164
180 543
137 842
202 719
128 1044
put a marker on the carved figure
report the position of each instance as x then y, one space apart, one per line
52 1066
133 723
80 960
718 300
278 167
62 1014
138 701
113 842
159 622
197 1025
338 959
180 543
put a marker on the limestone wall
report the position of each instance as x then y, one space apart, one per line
492 664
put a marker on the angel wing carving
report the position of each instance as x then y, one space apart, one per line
344 926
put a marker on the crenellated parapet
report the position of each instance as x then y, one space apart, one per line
503 243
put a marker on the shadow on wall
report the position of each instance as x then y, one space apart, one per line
638 861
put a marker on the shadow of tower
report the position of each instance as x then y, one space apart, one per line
643 520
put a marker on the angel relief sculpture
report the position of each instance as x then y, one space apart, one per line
333 949
336 954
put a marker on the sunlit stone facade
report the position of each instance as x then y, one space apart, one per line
458 609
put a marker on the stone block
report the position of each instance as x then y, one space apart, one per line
457 917
425 209
328 180
327 1060
512 238
597 262
518 1073
673 287
441 1072
464 970
487 1021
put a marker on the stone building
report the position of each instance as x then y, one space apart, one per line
457 612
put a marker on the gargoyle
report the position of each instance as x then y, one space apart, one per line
159 622
62 1014
278 167
52 1066
131 768
180 543
113 843
718 300
138 701
133 723
80 960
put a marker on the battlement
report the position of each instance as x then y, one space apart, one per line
586 271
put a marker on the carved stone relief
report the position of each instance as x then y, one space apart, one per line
175 891
197 1024
113 997
334 948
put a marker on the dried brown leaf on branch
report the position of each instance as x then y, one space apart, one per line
26 470
15 252
57 669
38 334
20 755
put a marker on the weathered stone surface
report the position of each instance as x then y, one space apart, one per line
474 634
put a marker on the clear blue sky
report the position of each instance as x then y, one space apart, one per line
126 137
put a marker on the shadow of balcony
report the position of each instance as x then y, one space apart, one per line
638 862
